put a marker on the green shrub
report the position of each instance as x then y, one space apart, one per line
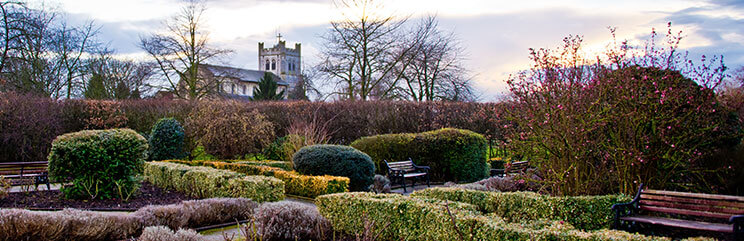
336 160
396 217
583 212
167 140
284 165
452 154
98 162
294 183
4 187
207 182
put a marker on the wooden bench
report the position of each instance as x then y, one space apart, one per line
18 171
406 169
696 211
511 168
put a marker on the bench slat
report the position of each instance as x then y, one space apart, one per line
685 212
719 203
705 208
705 226
695 195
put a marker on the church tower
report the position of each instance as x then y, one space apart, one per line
282 61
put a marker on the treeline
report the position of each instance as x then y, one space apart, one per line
28 124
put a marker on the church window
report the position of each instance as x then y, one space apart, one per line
273 64
267 65
243 89
233 89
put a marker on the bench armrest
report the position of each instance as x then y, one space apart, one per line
626 209
425 168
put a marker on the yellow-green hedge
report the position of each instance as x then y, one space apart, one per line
294 183
206 182
396 217
583 212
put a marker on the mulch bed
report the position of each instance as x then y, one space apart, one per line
52 200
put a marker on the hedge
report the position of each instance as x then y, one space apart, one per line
452 154
294 183
336 160
100 163
396 217
583 212
73 224
284 165
206 182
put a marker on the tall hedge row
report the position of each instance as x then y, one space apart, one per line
452 154
28 124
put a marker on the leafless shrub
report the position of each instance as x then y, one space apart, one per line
380 184
197 213
161 233
288 220
69 224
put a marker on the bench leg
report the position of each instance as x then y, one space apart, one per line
403 180
427 180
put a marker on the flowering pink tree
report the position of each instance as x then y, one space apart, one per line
605 124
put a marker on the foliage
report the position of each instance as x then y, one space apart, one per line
398 217
284 165
197 213
161 233
336 160
4 187
604 127
266 89
167 140
294 183
28 124
228 131
452 154
104 115
380 184
583 212
72 224
288 220
206 182
96 161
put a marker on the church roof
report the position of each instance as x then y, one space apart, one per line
243 75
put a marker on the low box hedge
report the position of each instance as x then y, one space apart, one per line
284 165
583 212
206 182
453 154
294 183
396 217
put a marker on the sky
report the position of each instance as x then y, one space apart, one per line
496 34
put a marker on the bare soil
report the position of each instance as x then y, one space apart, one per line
53 200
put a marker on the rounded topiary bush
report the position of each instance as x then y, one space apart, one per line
101 164
453 154
336 160
167 140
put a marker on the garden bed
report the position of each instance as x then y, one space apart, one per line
52 200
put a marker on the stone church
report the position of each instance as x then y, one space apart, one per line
284 63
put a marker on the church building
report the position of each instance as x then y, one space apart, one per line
284 63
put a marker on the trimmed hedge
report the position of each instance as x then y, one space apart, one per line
452 154
73 224
583 212
294 183
167 140
396 217
284 165
336 160
99 162
206 182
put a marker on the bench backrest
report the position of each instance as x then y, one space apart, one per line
691 204
403 165
17 169
516 167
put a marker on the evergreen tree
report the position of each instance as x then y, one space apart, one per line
122 91
266 89
96 90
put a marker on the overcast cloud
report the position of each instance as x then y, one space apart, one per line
496 34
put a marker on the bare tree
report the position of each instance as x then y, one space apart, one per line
180 51
120 78
41 53
363 50
435 71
